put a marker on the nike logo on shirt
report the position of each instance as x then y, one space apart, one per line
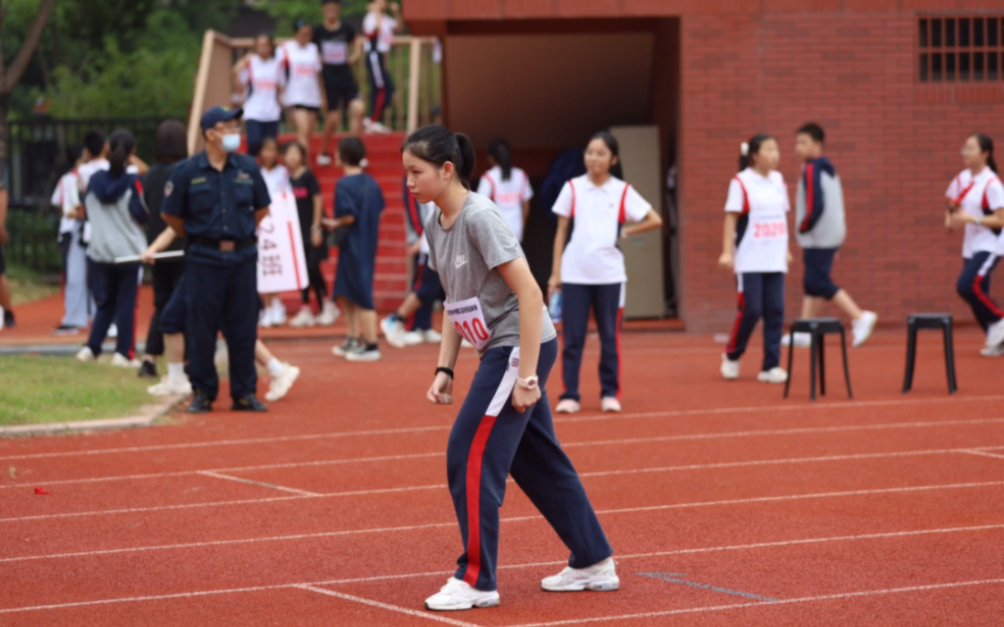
460 261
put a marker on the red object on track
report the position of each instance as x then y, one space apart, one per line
41 491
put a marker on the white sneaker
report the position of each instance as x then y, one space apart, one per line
113 331
600 577
992 351
222 355
303 318
364 354
862 328
280 385
278 313
121 361
802 340
169 387
995 334
414 338
610 404
329 314
567 406
323 160
1 318
345 348
86 354
371 127
459 595
433 337
266 319
393 330
774 375
730 369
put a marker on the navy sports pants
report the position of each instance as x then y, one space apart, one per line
606 302
761 295
974 288
116 288
489 441
816 281
381 85
428 289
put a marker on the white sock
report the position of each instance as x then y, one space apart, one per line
276 367
176 372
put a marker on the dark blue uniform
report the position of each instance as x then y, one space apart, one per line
218 208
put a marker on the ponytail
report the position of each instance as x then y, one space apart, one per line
121 145
987 146
437 145
747 150
500 151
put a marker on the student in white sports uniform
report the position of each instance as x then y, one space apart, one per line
260 82
277 180
755 247
976 202
303 95
76 296
590 271
379 30
508 187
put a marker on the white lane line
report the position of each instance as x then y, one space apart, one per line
513 519
599 473
982 452
735 606
387 606
216 475
407 430
692 436
445 573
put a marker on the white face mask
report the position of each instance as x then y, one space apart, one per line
231 142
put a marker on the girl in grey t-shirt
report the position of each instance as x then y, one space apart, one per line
504 426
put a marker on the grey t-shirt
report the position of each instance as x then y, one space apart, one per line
467 257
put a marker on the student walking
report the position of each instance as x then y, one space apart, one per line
310 210
303 96
358 206
116 209
276 177
821 229
590 271
258 76
755 248
76 296
508 187
976 203
379 30
341 47
504 425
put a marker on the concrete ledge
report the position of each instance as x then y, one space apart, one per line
145 417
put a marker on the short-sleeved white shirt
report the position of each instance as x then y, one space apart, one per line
276 179
973 195
66 196
385 38
592 256
262 78
302 65
508 196
762 231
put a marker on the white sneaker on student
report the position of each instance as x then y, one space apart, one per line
459 595
433 337
280 385
169 387
86 354
567 406
393 330
323 160
329 314
600 577
265 319
414 338
730 369
121 361
774 375
278 313
113 331
992 351
610 404
802 340
862 328
364 353
303 318
995 334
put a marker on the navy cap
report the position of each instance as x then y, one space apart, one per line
219 114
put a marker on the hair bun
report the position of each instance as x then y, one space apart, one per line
744 149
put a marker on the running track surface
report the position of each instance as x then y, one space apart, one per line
726 505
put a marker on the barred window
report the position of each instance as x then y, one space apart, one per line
961 49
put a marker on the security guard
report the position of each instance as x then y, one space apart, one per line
216 199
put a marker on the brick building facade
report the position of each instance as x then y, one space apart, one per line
895 119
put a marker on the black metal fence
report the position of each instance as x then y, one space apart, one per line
36 151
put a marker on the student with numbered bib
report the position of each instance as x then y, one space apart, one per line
304 93
257 75
590 270
504 426
976 202
507 187
340 48
755 247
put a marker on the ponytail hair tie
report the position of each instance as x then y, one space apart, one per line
744 149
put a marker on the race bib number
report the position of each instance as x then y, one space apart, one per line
469 321
335 52
770 229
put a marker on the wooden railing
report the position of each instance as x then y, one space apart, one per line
417 80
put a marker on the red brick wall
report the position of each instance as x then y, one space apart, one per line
895 152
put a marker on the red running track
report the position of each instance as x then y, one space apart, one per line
726 505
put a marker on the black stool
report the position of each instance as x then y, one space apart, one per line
914 323
818 328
